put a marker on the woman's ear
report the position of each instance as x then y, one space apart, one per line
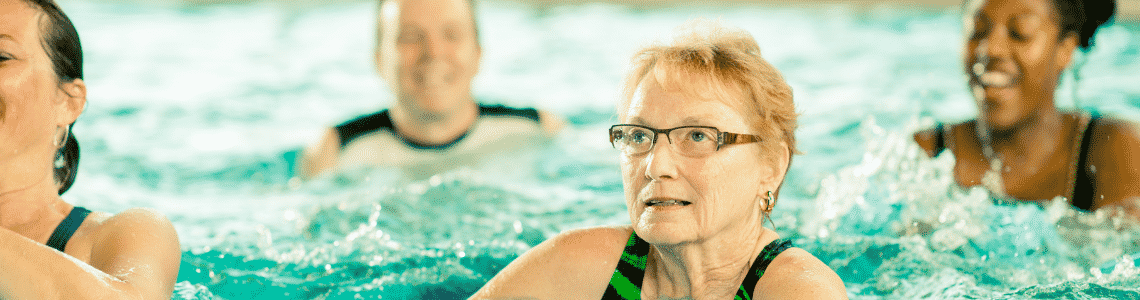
1065 50
74 99
778 163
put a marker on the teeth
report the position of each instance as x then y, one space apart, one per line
996 79
667 202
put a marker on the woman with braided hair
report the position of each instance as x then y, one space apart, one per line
50 249
1021 147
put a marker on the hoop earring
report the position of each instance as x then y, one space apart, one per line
60 160
59 143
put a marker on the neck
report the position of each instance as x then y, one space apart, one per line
705 270
1020 142
432 128
27 203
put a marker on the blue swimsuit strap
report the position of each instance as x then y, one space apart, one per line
625 284
67 228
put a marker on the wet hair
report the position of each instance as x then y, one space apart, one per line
380 16
711 62
61 42
1083 18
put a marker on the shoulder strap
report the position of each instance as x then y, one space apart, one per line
759 266
1084 185
626 281
363 125
63 232
939 139
502 110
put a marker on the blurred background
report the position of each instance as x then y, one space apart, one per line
198 109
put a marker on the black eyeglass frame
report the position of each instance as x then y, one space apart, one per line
723 138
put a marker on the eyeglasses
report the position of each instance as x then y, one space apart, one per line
692 141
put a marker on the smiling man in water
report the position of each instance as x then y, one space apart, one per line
428 51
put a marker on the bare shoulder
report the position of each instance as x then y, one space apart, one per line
930 138
321 156
1123 135
142 228
576 264
1114 161
138 246
796 274
551 123
926 139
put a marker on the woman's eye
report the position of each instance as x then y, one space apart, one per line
1017 35
639 137
409 37
698 136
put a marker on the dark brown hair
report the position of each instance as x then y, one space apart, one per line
1084 17
61 42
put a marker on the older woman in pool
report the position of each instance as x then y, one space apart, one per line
1021 147
50 249
706 137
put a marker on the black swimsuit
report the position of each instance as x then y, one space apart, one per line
1084 184
365 125
626 281
67 228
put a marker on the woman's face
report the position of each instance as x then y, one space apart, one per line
714 194
1014 56
32 104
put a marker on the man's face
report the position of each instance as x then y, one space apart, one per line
429 54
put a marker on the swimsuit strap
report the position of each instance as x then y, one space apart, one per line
382 120
759 266
939 139
625 284
361 126
63 232
506 111
1083 184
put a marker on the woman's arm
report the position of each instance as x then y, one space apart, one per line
135 255
573 265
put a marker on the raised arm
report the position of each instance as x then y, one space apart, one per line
133 255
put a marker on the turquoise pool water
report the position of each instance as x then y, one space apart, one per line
198 112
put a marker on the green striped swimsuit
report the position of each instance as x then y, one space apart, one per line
626 282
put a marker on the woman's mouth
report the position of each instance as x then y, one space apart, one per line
666 202
992 78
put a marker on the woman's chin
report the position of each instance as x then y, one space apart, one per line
666 233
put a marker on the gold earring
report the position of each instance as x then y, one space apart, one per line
769 202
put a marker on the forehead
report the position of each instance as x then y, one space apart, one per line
431 13
1010 8
19 23
666 105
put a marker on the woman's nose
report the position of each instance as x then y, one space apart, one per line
660 162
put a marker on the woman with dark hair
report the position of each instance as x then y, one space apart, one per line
1021 147
50 249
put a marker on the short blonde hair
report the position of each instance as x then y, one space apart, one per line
707 60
